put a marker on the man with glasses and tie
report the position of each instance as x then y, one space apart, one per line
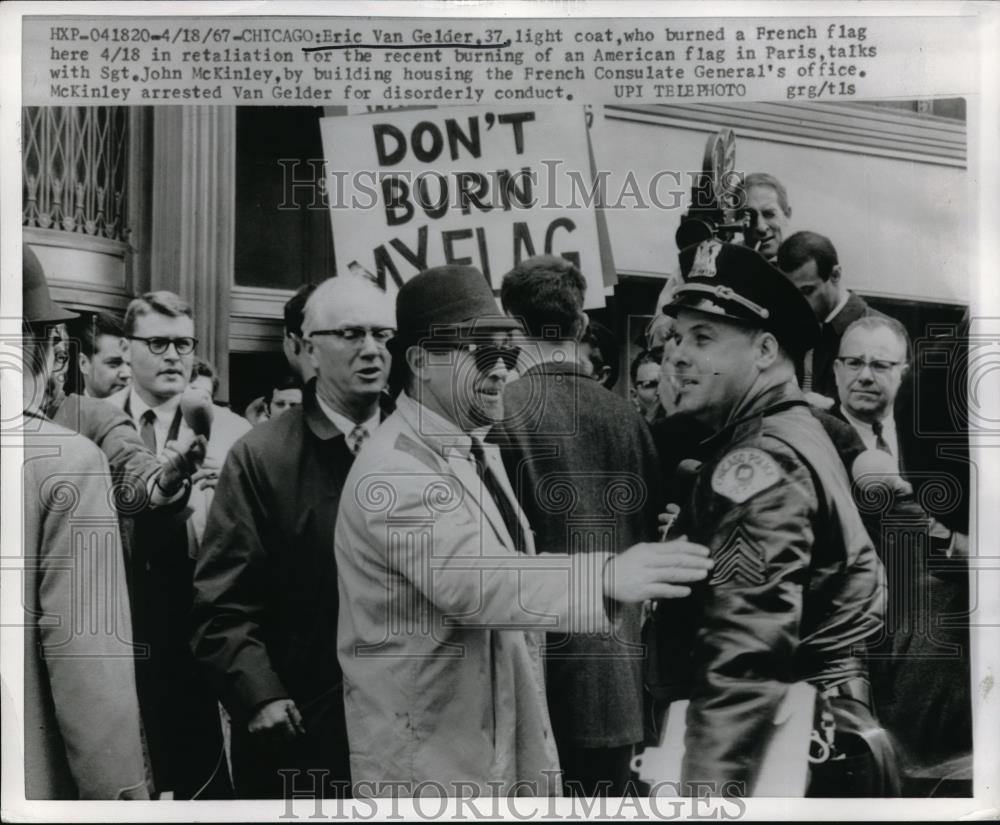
869 371
443 600
923 687
181 714
266 583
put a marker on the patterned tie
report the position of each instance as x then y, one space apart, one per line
358 437
880 443
503 503
147 430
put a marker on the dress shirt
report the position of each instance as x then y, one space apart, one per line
164 413
344 424
868 435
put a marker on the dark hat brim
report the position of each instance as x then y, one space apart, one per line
56 316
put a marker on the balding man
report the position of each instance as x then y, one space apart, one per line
266 582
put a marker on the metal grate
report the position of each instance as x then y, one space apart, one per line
74 167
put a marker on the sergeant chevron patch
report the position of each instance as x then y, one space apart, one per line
739 561
744 473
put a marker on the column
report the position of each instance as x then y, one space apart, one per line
194 191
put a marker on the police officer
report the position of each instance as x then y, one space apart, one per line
796 587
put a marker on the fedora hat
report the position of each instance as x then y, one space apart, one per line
448 300
37 305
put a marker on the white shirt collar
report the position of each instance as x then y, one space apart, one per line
345 424
864 429
840 305
164 412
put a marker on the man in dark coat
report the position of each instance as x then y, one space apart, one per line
266 583
921 669
809 260
583 466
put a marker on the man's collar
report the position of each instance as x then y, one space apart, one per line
844 298
345 424
164 411
759 402
321 425
442 435
888 422
564 367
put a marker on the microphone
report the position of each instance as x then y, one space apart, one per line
196 407
876 468
686 472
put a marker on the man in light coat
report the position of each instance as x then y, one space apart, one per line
443 602
81 715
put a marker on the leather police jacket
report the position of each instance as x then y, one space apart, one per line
796 587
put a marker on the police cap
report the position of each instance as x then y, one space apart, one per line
737 283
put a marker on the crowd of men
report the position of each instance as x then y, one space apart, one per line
443 557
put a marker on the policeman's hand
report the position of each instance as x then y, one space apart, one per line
208 476
279 720
181 459
820 402
656 570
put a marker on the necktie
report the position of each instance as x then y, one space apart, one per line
880 443
358 437
147 430
506 507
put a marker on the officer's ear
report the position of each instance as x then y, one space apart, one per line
767 350
835 274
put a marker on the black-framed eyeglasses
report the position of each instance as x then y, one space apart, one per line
647 385
879 366
485 353
158 346
357 335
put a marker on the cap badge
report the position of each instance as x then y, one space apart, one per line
704 260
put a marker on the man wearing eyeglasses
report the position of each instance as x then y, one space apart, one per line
923 688
869 371
181 713
265 610
443 600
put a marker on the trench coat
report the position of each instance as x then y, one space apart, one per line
81 725
441 620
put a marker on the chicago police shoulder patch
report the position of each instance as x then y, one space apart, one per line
744 472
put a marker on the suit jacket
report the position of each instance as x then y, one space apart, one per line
438 633
825 352
227 427
265 608
107 425
81 722
180 713
584 468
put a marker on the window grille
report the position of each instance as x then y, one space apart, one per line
75 164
